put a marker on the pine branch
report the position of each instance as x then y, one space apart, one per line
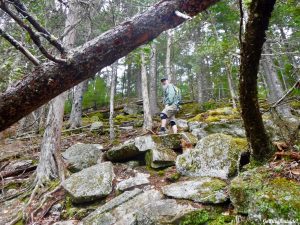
21 8
18 46
33 35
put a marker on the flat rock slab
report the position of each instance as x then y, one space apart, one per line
81 156
137 207
91 183
202 190
139 179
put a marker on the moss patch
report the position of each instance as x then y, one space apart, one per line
217 115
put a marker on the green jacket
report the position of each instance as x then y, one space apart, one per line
171 95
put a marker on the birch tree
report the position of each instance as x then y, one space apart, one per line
146 104
153 80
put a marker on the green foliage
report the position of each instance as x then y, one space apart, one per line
198 217
95 96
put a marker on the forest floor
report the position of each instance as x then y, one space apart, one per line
16 178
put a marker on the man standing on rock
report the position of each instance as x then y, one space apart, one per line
171 100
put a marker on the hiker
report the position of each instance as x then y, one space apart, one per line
171 100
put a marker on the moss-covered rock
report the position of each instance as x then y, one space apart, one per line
279 200
243 187
216 155
266 198
91 183
197 217
217 115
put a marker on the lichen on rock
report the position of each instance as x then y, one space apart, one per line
216 155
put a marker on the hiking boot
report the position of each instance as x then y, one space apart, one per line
162 131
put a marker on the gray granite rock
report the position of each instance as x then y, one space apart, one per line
91 183
81 156
202 189
139 179
216 155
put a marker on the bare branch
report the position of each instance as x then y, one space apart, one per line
33 35
18 46
21 8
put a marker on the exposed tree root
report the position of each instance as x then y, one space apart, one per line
291 154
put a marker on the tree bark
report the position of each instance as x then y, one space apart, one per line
50 165
76 112
153 80
51 79
112 101
168 58
146 105
251 49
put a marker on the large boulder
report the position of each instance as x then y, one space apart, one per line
137 207
139 179
266 198
216 155
91 183
81 156
203 190
123 152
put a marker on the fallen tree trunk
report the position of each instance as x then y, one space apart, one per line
50 79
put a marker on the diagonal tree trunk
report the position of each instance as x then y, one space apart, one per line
51 79
255 36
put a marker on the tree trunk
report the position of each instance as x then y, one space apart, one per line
138 84
129 77
255 36
76 112
49 162
112 101
231 86
146 105
168 68
203 83
153 80
273 83
50 166
50 79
